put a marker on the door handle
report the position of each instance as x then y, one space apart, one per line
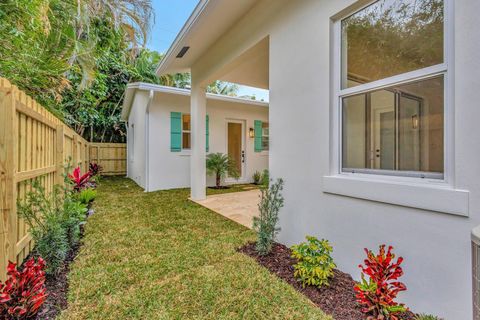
243 156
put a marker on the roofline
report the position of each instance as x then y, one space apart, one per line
174 47
143 86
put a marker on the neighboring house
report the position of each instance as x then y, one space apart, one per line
374 125
159 135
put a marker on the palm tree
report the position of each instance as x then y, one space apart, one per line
220 165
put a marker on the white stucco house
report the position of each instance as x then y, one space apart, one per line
159 135
373 124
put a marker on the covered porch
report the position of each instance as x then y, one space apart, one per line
210 53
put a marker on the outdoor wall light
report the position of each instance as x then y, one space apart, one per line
251 133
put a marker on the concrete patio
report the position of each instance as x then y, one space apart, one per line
240 207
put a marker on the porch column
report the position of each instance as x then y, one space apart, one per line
198 112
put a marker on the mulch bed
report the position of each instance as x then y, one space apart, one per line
57 287
337 300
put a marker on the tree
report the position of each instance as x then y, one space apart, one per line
220 165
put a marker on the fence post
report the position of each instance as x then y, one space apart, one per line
59 158
8 188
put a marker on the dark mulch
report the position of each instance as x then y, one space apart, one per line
337 300
220 188
57 287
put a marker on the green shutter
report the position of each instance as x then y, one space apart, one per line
208 134
175 131
258 135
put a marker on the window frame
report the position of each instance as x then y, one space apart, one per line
267 136
337 93
187 131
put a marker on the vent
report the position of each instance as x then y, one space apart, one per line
182 52
476 272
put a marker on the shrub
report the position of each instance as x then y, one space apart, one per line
377 295
266 224
80 181
315 264
74 214
257 176
265 180
94 169
220 165
86 196
44 215
24 292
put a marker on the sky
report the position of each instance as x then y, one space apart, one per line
170 16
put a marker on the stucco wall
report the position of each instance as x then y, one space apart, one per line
436 246
136 146
168 169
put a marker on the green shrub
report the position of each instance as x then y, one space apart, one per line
266 224
265 180
315 263
87 195
257 176
426 317
44 215
74 214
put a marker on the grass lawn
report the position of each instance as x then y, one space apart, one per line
160 256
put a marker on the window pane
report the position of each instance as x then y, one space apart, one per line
186 140
186 122
265 143
398 128
391 37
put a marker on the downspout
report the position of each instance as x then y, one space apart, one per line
147 140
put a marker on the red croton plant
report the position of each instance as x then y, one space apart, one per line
377 295
80 181
24 292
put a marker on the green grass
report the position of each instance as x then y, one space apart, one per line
160 256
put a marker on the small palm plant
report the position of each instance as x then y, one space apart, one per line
220 165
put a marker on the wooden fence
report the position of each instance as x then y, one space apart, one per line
112 157
34 144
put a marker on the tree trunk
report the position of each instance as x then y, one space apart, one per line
218 180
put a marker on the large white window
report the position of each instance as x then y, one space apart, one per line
391 89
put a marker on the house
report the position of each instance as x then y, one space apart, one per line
160 140
373 119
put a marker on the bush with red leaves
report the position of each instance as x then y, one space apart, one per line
80 181
24 292
377 295
95 169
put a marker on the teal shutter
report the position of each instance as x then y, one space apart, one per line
175 131
258 135
208 133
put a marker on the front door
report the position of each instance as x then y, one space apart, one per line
235 144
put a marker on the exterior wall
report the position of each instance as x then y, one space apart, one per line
436 246
168 170
136 139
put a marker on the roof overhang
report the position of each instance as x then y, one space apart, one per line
132 88
208 22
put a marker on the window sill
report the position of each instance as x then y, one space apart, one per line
426 196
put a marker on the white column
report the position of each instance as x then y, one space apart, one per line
198 112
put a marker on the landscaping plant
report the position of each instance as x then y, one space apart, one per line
44 215
94 169
257 176
265 178
87 196
221 165
315 264
24 292
74 215
426 317
377 295
266 224
80 181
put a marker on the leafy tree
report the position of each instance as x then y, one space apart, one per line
220 165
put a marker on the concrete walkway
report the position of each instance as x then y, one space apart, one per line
240 207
